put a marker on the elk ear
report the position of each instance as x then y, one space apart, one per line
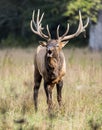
62 44
43 43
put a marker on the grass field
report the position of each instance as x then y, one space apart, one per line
82 93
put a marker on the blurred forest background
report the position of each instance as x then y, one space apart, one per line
82 91
15 16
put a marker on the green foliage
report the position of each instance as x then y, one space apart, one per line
88 8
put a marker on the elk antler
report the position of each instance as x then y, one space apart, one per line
38 26
80 29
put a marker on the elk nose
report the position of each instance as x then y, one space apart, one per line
50 51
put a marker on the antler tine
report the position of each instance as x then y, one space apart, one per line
33 21
41 18
58 31
32 27
80 25
80 29
48 31
87 22
80 18
38 14
33 17
66 31
59 38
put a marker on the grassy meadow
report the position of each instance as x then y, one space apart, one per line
82 93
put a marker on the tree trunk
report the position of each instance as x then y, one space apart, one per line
95 39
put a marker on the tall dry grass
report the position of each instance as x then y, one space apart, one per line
82 93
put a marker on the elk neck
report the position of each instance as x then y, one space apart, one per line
53 66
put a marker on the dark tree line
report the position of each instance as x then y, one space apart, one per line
15 16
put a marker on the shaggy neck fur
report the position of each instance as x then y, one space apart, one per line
53 66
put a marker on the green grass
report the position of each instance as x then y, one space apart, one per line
82 93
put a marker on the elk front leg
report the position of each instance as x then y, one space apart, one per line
37 82
59 92
48 91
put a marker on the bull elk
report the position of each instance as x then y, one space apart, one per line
49 59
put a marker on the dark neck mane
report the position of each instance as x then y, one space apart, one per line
53 67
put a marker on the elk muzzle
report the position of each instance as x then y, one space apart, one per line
50 51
